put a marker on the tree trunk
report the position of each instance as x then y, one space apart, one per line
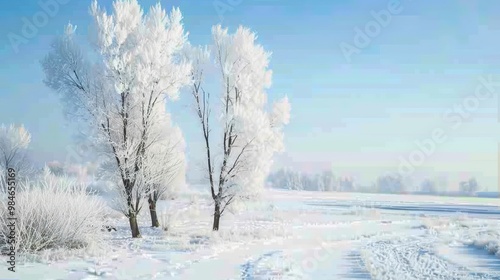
134 227
152 211
215 226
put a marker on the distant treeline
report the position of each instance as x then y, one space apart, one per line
388 183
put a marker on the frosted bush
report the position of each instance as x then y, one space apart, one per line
486 240
53 213
175 215
168 220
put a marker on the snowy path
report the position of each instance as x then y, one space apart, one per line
475 259
316 252
414 258
317 241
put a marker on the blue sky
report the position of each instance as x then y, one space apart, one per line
357 116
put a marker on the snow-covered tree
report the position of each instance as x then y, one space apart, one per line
14 142
307 182
136 69
470 186
390 183
320 184
293 180
473 185
346 184
250 134
286 178
442 183
463 186
164 164
275 179
428 186
329 182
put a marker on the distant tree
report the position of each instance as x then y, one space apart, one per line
473 185
308 183
441 183
470 186
320 184
428 186
286 178
390 183
329 182
276 179
294 181
346 184
463 186
14 143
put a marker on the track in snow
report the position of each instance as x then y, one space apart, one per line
413 258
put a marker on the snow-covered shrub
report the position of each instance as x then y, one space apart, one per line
177 214
492 247
486 240
252 231
167 220
52 213
438 224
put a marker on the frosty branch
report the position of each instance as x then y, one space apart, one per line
123 95
250 134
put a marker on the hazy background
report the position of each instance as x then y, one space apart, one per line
356 117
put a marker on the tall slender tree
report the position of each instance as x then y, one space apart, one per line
136 70
164 163
14 142
250 133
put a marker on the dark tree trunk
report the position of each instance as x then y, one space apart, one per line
217 213
152 211
132 212
134 227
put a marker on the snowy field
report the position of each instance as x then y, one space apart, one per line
295 235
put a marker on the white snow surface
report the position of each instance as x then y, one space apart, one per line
295 235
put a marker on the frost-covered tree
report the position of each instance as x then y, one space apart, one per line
14 142
136 68
250 135
442 183
346 184
293 180
329 182
473 185
276 179
320 184
164 164
428 186
390 183
470 186
463 186
307 182
286 179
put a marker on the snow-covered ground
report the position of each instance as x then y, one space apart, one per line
297 235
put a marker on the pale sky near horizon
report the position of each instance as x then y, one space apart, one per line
358 116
